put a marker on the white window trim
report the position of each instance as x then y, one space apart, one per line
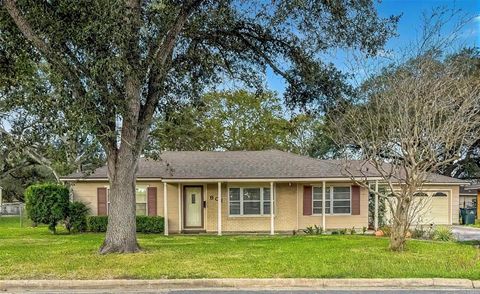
262 214
331 200
146 198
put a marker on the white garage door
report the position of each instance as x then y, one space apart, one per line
434 208
438 212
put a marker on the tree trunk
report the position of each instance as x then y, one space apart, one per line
121 231
398 235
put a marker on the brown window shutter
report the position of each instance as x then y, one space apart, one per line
355 200
152 201
307 200
102 201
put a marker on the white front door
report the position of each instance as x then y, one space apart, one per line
193 207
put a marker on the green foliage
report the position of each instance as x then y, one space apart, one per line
145 224
315 230
76 220
442 233
353 231
97 224
231 120
150 224
382 208
47 204
343 231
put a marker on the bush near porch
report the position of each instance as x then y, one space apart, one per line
145 224
34 253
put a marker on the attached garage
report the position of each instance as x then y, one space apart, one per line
437 211
433 207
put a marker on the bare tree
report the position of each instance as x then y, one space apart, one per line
412 120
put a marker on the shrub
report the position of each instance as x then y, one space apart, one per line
364 230
343 231
145 224
150 224
76 220
443 234
47 204
315 230
353 231
419 233
97 223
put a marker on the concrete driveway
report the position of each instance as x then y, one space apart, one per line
463 233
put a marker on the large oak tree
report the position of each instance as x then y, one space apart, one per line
115 61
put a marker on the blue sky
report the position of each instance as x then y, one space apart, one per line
409 25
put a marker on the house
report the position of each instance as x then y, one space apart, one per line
187 186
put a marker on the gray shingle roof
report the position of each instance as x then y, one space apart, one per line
268 164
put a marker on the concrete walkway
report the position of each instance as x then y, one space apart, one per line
463 233
232 284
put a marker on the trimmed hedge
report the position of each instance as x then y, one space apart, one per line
145 224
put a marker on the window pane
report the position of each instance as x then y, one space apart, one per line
266 208
234 208
234 194
251 207
266 193
341 189
251 194
341 210
341 193
317 204
341 203
141 195
141 209
317 193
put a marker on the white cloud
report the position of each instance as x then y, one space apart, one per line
476 18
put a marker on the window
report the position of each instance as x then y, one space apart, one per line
337 200
440 194
420 194
140 200
341 200
317 200
249 201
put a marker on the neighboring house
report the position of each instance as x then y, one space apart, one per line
186 187
468 197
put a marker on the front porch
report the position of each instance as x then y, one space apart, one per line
193 206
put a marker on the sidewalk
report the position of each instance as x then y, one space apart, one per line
277 284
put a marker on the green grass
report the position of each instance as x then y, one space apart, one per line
34 253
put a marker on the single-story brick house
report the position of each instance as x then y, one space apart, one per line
186 186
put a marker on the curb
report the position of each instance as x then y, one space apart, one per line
437 283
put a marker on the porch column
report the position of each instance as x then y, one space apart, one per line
375 217
219 209
179 208
323 205
165 209
272 219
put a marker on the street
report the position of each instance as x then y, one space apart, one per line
256 291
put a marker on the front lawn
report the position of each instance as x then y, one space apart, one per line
33 253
